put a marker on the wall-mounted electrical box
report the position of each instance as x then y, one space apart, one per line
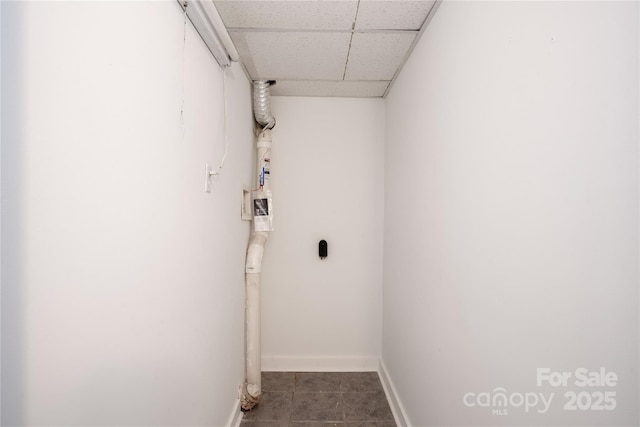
246 203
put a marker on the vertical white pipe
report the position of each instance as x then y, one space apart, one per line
252 388
253 334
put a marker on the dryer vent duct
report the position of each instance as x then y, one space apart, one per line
262 104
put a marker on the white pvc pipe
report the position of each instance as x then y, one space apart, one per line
254 384
251 390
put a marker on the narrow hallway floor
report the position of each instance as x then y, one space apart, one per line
320 399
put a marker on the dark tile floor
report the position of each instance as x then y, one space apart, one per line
320 399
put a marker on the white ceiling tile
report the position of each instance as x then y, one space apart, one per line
377 56
292 15
306 44
326 88
392 14
293 55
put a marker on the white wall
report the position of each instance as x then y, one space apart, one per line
511 210
327 179
122 280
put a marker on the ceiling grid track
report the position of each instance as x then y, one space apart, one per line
423 28
353 27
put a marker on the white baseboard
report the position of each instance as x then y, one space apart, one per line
399 413
319 364
236 415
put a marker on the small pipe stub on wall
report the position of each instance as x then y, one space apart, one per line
322 249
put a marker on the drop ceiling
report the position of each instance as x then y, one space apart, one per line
352 48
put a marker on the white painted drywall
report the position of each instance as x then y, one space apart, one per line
327 182
122 280
511 211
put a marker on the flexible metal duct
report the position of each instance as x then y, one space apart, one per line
262 104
